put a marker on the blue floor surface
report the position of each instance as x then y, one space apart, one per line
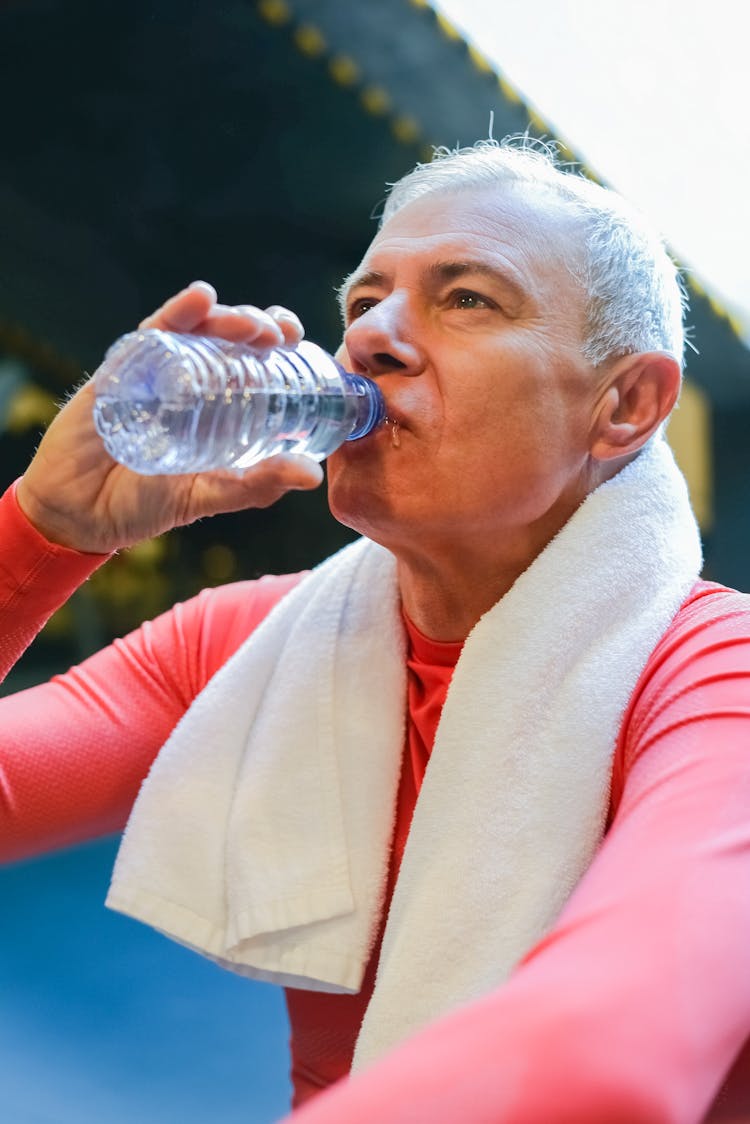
102 1020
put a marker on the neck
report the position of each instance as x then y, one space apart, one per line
445 594
448 583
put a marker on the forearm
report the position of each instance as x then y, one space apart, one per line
74 751
36 578
497 1062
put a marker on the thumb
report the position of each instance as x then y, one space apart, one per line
297 471
260 485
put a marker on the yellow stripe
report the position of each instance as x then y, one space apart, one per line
480 61
375 100
447 28
537 122
344 70
309 40
510 93
405 129
275 12
689 434
735 324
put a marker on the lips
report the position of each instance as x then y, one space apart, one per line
395 417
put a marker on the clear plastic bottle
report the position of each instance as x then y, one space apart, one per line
170 403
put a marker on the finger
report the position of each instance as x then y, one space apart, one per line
260 485
233 325
282 473
299 471
286 472
197 311
255 326
185 310
290 324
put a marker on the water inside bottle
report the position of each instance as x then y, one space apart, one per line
230 430
169 404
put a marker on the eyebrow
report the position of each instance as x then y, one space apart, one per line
440 272
453 270
371 278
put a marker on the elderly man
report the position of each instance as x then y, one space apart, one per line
475 791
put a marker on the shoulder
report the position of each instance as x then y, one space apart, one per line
246 601
224 617
205 631
698 671
712 619
711 604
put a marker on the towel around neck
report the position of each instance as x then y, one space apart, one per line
261 836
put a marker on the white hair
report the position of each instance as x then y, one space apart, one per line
635 298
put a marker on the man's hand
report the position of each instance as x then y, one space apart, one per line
76 495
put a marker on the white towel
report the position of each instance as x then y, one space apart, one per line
261 835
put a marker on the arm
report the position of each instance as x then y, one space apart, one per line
36 577
74 751
633 1008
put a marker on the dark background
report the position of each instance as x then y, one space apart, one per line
248 144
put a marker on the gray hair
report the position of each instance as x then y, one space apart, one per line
635 298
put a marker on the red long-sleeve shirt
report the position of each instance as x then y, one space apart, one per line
632 1009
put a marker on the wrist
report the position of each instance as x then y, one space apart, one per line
45 522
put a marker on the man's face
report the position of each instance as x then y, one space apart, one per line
465 311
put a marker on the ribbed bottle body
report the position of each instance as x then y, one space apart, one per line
168 403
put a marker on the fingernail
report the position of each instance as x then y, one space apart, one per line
204 286
289 318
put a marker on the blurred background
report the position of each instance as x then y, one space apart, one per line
249 143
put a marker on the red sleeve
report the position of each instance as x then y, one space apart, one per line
73 752
633 1008
36 577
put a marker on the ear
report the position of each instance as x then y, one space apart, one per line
639 394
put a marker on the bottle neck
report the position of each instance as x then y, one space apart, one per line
370 405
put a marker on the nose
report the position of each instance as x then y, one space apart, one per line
381 341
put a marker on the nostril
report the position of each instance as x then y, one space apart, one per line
387 362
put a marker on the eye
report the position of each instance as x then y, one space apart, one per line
360 306
465 298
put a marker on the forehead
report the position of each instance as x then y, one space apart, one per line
529 230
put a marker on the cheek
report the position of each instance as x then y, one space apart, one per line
499 443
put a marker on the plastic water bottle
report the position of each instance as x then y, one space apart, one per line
170 403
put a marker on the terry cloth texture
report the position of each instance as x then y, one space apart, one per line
261 835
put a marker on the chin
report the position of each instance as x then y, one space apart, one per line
351 488
349 510
358 507
362 494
